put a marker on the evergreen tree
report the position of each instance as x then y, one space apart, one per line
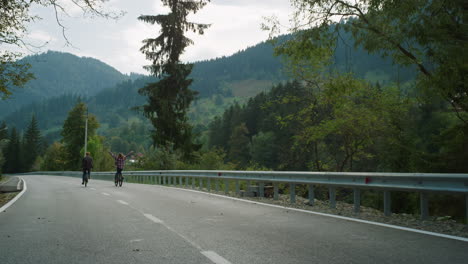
170 97
13 157
32 144
73 134
239 146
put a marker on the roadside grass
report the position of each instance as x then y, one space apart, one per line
6 197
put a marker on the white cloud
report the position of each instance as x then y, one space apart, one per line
235 26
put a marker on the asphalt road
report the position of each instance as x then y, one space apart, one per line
58 220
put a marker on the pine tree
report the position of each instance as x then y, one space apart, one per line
31 144
13 157
170 97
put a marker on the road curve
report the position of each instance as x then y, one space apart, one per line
58 220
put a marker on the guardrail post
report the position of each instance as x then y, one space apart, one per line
186 181
424 205
193 182
275 191
332 194
261 189
237 187
292 192
466 208
164 180
357 200
226 186
387 203
208 187
180 181
200 184
216 185
311 194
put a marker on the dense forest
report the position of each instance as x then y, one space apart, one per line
58 73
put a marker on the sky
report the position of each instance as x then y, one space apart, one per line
235 25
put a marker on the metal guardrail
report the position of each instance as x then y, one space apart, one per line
424 183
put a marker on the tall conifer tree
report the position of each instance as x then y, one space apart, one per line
31 144
170 97
13 157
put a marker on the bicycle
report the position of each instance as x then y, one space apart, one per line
85 180
118 179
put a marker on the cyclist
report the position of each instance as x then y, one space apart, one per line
120 161
87 164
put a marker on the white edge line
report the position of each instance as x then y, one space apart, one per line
4 207
213 256
329 215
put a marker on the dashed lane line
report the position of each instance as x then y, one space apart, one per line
106 194
122 202
213 256
153 218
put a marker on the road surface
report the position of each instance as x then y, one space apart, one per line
57 220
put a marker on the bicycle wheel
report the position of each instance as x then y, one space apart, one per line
116 180
120 180
86 181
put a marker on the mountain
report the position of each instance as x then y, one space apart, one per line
220 83
58 73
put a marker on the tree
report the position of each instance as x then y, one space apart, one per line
73 134
32 144
239 151
13 155
54 158
427 34
14 16
264 149
170 97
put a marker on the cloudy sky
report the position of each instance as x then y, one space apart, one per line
236 25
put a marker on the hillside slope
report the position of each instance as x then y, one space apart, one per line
58 73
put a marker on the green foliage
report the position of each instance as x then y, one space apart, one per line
73 134
32 144
170 97
263 149
239 151
157 159
428 35
54 158
13 154
102 161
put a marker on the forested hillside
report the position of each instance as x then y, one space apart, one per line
58 73
220 82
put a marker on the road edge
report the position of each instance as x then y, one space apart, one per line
12 201
408 229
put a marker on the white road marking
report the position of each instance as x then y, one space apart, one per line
93 189
213 256
18 185
122 202
136 240
106 194
330 215
4 207
153 218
